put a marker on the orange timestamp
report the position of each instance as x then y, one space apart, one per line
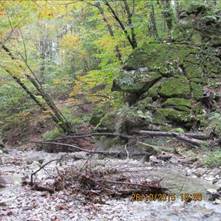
186 197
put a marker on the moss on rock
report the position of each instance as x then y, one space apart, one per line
175 87
135 81
144 104
108 121
154 90
194 72
197 90
172 115
155 55
214 123
181 104
168 80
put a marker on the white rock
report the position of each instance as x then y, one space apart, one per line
199 171
211 191
188 172
218 183
217 201
209 178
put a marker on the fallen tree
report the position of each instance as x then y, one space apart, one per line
192 139
117 154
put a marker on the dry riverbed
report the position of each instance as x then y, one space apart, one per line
19 202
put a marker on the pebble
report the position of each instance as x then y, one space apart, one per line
188 172
23 204
218 183
199 171
210 178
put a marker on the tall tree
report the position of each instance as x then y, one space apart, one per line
57 116
131 37
109 28
168 16
152 23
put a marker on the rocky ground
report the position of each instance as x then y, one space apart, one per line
180 175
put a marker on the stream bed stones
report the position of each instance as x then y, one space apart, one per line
21 203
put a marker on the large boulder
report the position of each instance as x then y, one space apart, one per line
175 87
136 81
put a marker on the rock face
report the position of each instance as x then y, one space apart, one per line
169 85
174 85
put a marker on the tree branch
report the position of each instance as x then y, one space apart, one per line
121 24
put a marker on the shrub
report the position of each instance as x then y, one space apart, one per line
213 159
52 134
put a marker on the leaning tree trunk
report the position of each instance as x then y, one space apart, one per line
110 30
130 22
57 116
130 39
33 97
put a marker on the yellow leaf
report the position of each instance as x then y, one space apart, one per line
70 41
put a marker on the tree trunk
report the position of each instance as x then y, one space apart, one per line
152 24
130 23
168 17
42 50
57 116
110 30
33 97
115 16
177 8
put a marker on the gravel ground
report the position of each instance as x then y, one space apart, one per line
19 203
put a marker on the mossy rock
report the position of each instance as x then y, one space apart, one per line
192 59
213 67
181 104
128 118
214 123
146 66
139 58
144 104
155 55
172 115
193 71
175 87
147 104
125 119
108 121
135 81
202 119
137 119
209 25
168 81
197 90
154 90
198 8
